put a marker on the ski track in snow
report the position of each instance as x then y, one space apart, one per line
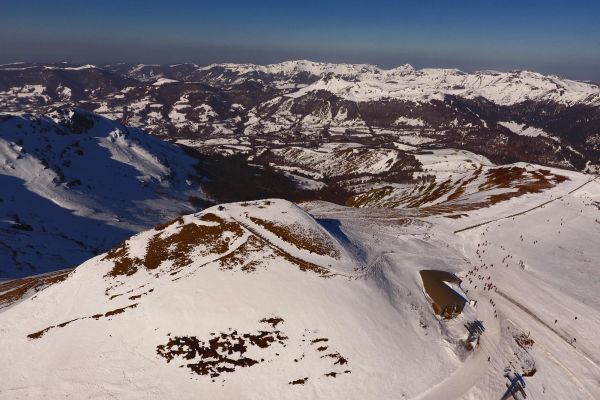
475 367
526 211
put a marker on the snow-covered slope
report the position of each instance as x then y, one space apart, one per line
262 300
74 184
456 181
251 300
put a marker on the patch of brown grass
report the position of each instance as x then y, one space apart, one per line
39 334
313 241
521 179
224 352
273 321
516 181
123 264
300 381
305 266
337 357
240 258
373 196
15 290
176 247
119 310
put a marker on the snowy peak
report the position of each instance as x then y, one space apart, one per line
290 68
243 108
233 236
239 292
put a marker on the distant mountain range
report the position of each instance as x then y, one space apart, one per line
241 108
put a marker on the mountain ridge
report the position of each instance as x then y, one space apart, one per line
76 183
239 109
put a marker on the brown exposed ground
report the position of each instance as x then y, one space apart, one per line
279 252
273 321
306 266
313 241
15 290
516 181
334 374
123 264
241 257
177 247
182 242
40 333
301 381
222 353
521 179
225 352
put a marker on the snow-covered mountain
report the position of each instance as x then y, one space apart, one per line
363 82
264 300
426 200
241 108
73 184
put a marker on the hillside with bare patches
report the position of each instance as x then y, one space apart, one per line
484 186
264 299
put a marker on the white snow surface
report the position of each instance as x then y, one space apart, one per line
539 251
523 130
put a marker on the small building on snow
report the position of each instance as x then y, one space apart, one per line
444 291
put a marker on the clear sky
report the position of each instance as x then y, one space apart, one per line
550 36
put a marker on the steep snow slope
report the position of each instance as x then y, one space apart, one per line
260 300
74 184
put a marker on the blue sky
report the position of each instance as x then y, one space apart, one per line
550 36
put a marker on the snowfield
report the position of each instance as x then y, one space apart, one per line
267 300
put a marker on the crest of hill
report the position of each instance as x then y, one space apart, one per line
233 235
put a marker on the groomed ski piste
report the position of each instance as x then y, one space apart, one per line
268 299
